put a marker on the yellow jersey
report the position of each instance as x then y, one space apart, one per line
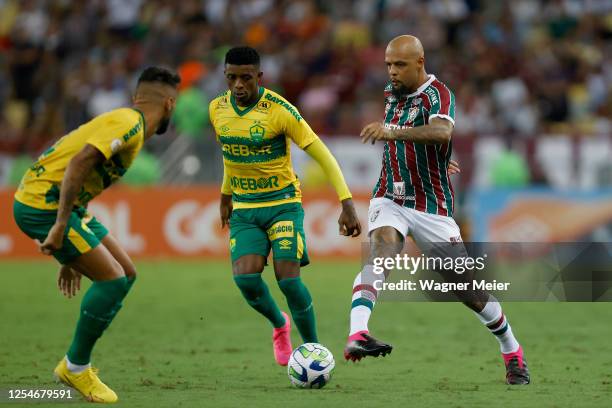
118 135
256 143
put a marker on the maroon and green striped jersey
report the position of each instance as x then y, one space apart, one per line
415 175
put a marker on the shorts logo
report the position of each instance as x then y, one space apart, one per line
232 244
281 229
456 240
375 215
399 189
285 244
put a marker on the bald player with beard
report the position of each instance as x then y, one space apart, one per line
414 196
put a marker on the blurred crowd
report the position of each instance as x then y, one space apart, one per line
518 68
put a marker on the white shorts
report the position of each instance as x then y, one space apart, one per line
425 228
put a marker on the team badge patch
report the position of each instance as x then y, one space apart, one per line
232 244
399 189
263 106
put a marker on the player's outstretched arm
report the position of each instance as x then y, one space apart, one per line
78 168
348 222
438 131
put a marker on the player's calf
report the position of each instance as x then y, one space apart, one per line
302 310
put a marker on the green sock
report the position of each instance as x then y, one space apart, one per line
99 306
256 293
300 304
130 283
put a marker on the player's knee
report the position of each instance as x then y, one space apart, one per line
475 305
116 270
286 269
130 271
386 235
385 242
248 264
251 285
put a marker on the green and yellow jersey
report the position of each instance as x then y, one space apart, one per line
256 142
118 135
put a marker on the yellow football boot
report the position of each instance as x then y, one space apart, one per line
85 382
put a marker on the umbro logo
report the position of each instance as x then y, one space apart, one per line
285 244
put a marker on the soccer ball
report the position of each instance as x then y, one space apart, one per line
310 366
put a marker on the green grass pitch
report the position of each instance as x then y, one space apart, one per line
185 337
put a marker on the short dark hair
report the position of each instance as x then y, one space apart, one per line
242 56
159 74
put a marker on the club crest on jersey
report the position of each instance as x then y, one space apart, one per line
412 113
257 132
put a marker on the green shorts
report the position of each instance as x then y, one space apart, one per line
82 234
254 231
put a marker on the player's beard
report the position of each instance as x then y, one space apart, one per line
163 126
402 90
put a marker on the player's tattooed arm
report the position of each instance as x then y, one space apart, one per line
76 172
438 131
